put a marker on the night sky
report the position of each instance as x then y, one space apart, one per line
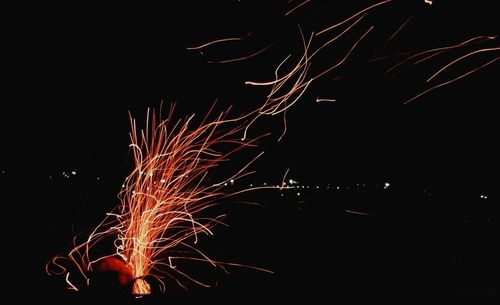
425 171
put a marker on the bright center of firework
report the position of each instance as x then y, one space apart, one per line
141 287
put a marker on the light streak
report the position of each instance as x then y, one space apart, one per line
225 61
319 100
358 213
296 7
283 183
399 29
214 42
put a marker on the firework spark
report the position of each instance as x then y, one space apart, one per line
296 7
214 42
162 203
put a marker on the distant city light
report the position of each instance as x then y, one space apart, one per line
386 185
73 173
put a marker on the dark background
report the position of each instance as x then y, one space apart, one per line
74 73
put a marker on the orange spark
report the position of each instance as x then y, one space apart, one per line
318 100
296 7
358 213
214 42
224 61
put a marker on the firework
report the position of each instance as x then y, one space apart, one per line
163 204
160 216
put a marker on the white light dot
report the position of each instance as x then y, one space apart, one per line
73 173
298 194
232 181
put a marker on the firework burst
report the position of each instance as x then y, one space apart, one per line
160 215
